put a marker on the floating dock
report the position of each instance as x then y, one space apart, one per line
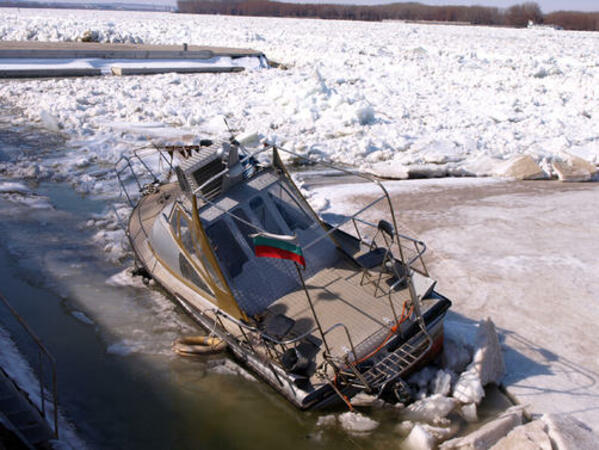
32 59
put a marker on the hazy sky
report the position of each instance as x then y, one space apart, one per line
546 5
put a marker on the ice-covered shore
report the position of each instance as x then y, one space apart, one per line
393 98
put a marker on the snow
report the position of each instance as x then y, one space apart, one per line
390 98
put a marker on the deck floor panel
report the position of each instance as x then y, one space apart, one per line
338 297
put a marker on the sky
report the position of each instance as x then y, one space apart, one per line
546 5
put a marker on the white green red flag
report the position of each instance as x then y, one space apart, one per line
268 245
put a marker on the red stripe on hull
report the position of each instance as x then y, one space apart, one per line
273 252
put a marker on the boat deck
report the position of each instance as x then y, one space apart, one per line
339 297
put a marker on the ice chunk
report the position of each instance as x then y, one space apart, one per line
403 428
365 400
327 421
441 383
365 115
461 332
521 167
431 409
49 121
9 187
488 358
575 169
569 433
357 423
488 434
455 356
393 170
469 412
531 436
419 439
441 434
468 388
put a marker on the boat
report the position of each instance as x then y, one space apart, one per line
320 311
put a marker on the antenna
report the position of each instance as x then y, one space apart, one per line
232 139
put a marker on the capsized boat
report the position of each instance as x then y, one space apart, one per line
320 311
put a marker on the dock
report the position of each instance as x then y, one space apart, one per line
32 59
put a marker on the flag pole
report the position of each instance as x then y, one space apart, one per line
299 273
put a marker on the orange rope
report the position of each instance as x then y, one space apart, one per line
394 330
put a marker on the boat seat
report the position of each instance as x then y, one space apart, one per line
277 326
372 258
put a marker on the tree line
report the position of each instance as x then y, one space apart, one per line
514 16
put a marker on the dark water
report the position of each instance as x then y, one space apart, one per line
119 384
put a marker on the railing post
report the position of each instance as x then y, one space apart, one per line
41 378
55 398
324 340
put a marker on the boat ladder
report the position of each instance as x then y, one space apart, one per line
389 368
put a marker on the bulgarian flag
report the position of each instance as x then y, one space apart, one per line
278 246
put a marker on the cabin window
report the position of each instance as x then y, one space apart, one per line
189 272
291 212
227 249
185 234
265 217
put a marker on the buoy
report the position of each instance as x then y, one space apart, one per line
198 345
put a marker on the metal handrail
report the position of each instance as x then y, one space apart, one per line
275 341
42 350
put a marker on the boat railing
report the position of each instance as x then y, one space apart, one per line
136 167
44 358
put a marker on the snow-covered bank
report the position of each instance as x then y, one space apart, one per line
392 98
